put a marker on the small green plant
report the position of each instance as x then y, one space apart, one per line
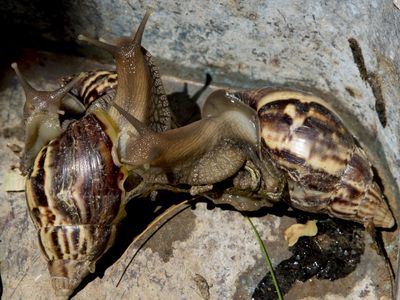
268 261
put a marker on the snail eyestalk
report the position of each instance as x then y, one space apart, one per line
135 79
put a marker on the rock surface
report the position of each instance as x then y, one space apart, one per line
295 43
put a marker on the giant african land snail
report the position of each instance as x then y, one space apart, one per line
74 190
325 168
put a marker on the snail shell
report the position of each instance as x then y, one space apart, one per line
93 86
76 199
75 188
326 170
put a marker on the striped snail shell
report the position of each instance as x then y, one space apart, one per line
94 85
76 199
326 170
75 188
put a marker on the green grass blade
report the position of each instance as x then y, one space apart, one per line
268 261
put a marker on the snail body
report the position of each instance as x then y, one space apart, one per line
288 132
42 110
75 188
202 154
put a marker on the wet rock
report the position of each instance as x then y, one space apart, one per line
333 253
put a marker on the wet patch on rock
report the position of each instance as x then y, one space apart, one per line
334 253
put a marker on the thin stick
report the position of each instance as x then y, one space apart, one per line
158 223
397 284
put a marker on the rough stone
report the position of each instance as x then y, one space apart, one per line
297 43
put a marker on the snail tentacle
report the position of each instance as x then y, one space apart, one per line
135 77
43 101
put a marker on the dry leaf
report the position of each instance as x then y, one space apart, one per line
296 231
13 182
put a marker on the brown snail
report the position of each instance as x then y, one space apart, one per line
74 189
42 112
300 138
